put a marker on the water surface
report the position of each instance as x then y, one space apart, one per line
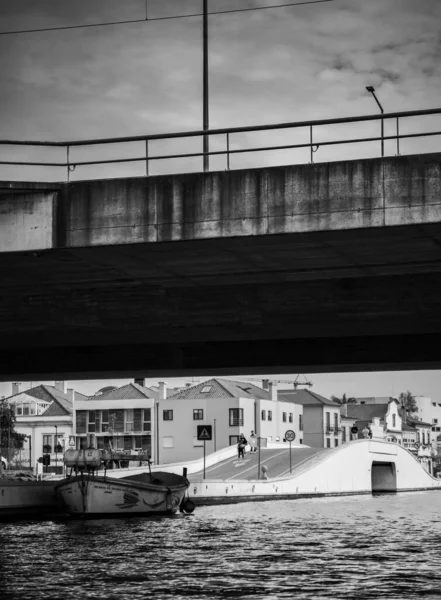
360 547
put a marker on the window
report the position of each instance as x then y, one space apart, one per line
47 444
300 441
263 415
167 416
336 443
284 417
343 435
147 422
290 417
435 421
328 442
58 442
19 410
32 410
394 420
328 422
270 415
104 421
129 419
336 422
236 417
198 414
300 422
433 403
91 423
168 442
25 409
206 389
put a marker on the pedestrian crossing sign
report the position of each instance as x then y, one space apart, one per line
205 432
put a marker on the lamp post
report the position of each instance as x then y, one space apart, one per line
214 436
205 117
371 89
56 448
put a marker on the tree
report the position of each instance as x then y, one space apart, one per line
10 440
343 400
408 403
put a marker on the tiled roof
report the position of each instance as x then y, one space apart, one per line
60 403
304 397
366 412
220 388
131 391
416 422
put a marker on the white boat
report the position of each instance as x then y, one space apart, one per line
89 494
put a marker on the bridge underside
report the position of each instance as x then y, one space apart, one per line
347 300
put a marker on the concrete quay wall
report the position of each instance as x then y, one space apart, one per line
353 194
347 470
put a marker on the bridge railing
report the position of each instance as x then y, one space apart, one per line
311 143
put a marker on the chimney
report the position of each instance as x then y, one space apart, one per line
71 394
162 390
140 382
272 389
16 388
265 384
60 386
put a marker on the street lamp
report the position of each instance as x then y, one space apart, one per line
371 90
56 448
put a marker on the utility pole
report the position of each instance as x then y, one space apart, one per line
205 123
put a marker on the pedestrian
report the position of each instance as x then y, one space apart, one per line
253 443
241 446
365 432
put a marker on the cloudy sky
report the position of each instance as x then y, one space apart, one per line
284 64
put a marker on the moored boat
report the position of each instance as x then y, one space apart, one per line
89 494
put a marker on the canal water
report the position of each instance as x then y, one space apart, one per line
355 547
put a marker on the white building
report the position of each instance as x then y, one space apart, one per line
231 408
44 414
429 411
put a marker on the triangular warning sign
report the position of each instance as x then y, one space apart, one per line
204 432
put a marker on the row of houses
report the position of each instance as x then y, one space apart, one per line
162 423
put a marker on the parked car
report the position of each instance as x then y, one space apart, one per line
4 462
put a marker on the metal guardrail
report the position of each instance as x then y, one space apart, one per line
313 144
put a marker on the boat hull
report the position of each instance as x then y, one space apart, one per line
98 497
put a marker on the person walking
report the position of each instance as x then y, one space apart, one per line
253 443
241 446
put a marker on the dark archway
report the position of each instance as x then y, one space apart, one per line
384 477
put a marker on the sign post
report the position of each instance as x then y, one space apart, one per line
205 432
290 436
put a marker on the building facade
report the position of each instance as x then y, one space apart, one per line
231 408
119 418
321 422
45 415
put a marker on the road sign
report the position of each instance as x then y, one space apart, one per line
205 432
290 436
354 429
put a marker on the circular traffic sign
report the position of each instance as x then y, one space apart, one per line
354 429
290 436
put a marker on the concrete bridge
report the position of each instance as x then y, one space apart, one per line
317 267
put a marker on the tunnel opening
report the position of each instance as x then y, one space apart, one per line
384 477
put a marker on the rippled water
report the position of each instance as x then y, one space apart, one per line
354 548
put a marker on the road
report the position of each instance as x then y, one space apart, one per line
277 462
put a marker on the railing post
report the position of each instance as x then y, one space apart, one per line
147 158
228 151
310 140
398 136
382 136
68 165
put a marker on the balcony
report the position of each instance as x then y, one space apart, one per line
234 422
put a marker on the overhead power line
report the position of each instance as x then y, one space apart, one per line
147 19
